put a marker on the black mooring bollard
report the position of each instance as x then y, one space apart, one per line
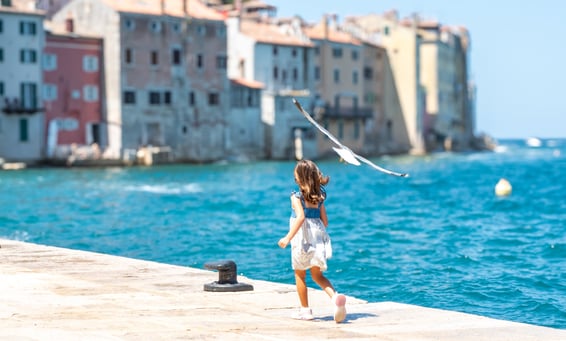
227 277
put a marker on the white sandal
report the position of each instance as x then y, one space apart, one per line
303 314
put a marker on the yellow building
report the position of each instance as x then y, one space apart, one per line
339 85
403 94
444 75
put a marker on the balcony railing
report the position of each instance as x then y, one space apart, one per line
345 112
15 106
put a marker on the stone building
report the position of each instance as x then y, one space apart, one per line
22 40
165 71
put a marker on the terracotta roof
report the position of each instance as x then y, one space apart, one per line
248 83
257 4
429 24
317 32
22 7
174 8
270 34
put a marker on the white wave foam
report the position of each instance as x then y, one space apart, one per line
21 236
166 189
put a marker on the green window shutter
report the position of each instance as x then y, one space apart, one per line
24 130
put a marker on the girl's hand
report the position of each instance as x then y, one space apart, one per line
283 242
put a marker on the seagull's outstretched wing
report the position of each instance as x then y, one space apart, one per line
345 153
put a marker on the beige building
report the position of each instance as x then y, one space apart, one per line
444 75
426 80
375 73
166 79
403 95
341 102
279 55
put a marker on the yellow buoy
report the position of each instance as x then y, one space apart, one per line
503 188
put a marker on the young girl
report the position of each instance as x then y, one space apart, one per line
310 244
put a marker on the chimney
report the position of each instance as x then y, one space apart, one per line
185 8
69 24
162 6
325 26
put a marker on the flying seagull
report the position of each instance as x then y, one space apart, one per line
345 153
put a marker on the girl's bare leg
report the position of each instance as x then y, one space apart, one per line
322 281
300 280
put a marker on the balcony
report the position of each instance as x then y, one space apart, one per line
328 111
13 106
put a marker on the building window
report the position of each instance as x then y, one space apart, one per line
316 50
199 61
368 73
28 56
155 26
154 97
213 98
1 26
28 28
354 54
340 129
275 72
317 73
167 97
294 52
176 27
386 30
1 55
337 52
129 56
221 62
49 62
130 24
49 92
284 75
356 129
221 31
275 50
176 57
90 93
192 100
24 134
295 74
336 76
90 63
28 95
1 88
355 77
201 30
76 94
154 57
129 97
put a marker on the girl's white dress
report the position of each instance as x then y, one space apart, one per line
311 245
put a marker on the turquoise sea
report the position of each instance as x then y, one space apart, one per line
440 238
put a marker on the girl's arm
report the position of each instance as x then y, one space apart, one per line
300 214
323 215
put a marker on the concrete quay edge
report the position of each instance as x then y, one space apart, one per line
51 293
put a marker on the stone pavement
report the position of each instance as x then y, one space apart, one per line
50 293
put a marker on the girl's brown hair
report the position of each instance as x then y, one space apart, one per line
310 179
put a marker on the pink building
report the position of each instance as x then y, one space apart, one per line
73 89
